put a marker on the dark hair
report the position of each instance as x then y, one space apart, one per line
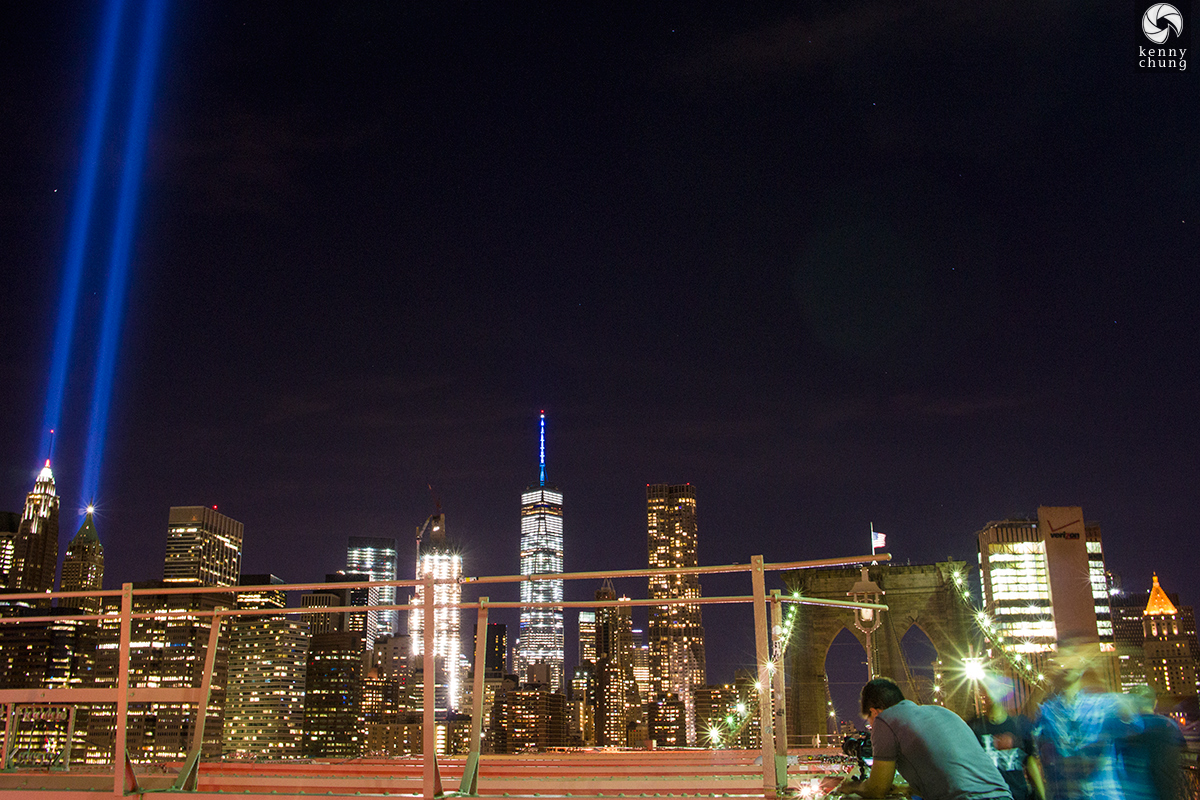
880 693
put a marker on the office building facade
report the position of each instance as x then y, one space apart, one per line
333 717
204 548
531 718
1043 583
264 702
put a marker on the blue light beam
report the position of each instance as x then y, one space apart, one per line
118 265
81 219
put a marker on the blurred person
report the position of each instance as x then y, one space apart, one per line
930 746
1152 760
1078 729
1008 739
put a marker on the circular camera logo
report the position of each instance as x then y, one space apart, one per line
1159 20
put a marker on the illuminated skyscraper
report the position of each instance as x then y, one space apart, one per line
204 548
1169 665
10 525
436 555
587 637
376 558
35 547
676 632
1130 619
541 636
641 663
83 568
333 722
495 659
1044 582
618 705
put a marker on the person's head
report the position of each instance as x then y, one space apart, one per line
879 694
1143 698
991 691
1073 666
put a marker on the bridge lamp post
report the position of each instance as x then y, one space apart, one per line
714 737
974 672
867 620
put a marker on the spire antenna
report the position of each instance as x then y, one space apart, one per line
542 452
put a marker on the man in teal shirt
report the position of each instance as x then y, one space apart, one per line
930 746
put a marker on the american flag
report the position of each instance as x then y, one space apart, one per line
878 540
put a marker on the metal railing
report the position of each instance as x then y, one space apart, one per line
770 684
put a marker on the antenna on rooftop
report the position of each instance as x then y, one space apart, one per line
542 452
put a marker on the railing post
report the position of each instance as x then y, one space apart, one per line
70 739
780 690
469 785
126 622
189 776
428 717
10 718
762 653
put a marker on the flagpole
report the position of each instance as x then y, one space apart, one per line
872 538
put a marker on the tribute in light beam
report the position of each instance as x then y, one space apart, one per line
81 217
118 264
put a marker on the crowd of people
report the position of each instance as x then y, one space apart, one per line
1083 743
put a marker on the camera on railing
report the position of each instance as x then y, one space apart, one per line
858 746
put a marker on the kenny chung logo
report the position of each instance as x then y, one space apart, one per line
1164 41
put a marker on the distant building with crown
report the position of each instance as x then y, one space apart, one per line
1170 666
83 567
1156 643
35 547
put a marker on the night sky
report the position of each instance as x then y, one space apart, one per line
924 265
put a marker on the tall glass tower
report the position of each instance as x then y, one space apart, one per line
376 557
436 555
540 646
676 655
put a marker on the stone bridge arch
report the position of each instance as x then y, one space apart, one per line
923 595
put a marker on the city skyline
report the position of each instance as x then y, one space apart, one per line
831 265
672 527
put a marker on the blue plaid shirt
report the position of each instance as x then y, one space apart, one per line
1076 740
